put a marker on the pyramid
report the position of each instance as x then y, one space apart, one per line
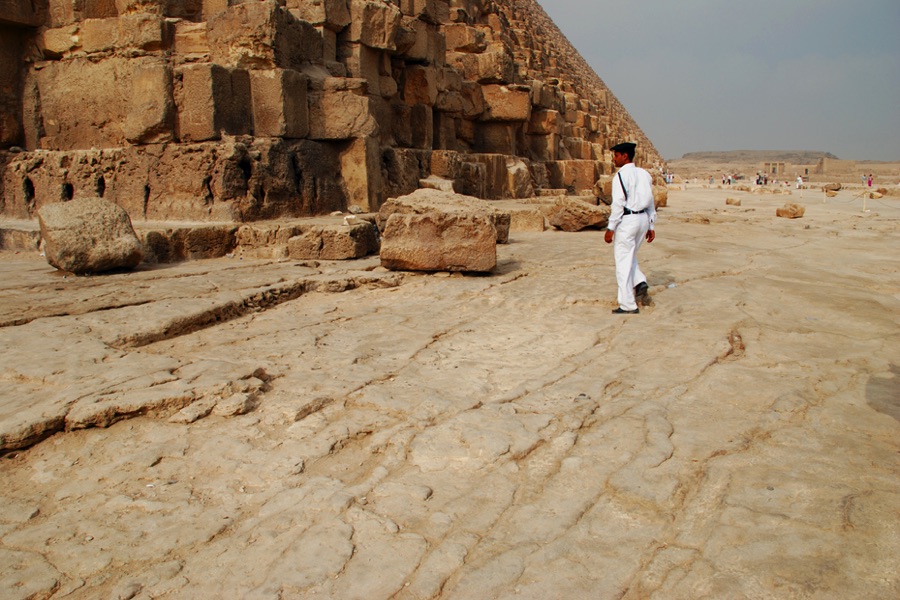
210 110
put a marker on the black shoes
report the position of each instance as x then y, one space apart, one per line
622 311
641 289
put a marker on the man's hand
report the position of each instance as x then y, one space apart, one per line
608 236
651 235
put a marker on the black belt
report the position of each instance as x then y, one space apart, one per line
635 212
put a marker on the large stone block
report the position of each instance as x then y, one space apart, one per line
151 113
341 110
262 35
332 14
439 241
98 35
334 242
504 103
574 214
420 85
279 103
19 12
427 44
361 173
86 104
431 11
88 236
572 175
374 23
212 100
463 38
426 201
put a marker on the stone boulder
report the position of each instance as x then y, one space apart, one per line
832 187
790 211
89 236
424 201
439 241
573 214
354 239
732 201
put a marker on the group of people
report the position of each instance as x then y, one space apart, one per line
867 179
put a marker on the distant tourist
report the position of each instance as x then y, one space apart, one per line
799 182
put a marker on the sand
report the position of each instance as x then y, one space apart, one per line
266 429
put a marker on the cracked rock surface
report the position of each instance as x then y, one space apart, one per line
284 429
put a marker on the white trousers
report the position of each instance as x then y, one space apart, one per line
629 236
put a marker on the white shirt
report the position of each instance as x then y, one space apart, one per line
639 185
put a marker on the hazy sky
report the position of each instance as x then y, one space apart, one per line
748 75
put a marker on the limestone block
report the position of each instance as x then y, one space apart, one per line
420 85
519 176
334 242
361 173
98 35
363 62
190 39
261 35
188 243
426 44
332 14
374 23
660 196
497 138
54 43
427 201
88 236
403 169
151 114
144 31
439 241
84 104
449 102
503 103
574 214
213 100
525 218
463 38
124 7
487 67
341 110
19 13
431 11
732 201
422 126
578 148
278 98
543 148
572 175
790 211
545 121
473 99
59 12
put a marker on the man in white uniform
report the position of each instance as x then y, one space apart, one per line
631 220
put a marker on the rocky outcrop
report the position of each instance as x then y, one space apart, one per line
220 111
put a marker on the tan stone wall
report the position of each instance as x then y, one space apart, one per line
226 98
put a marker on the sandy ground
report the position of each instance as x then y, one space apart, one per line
264 429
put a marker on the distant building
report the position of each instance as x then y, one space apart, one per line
774 168
833 166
